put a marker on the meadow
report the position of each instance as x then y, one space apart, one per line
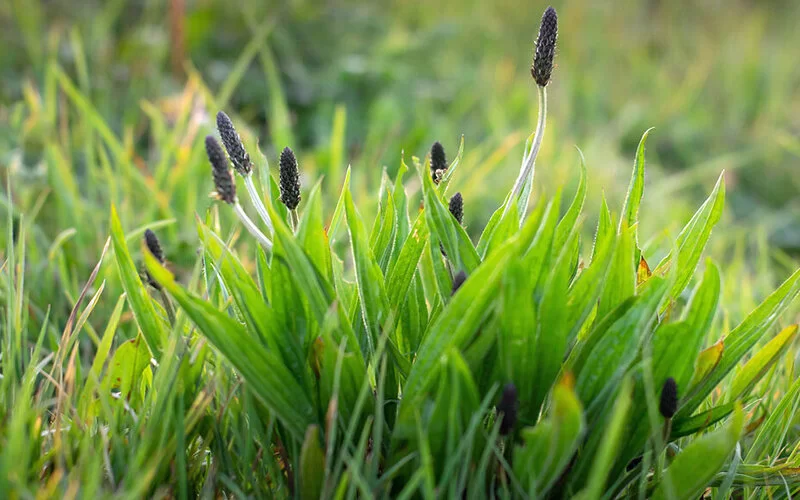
620 324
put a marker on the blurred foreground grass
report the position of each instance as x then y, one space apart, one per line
105 102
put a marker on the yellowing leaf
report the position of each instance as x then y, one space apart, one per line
706 362
758 365
643 272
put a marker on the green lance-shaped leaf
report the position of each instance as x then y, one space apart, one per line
317 290
312 236
268 323
586 289
630 211
152 327
459 320
617 347
548 447
371 291
450 404
741 339
570 219
688 475
621 278
444 226
609 446
778 423
761 361
312 465
693 238
263 369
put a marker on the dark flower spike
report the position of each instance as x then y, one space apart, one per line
151 240
457 207
669 398
458 280
542 66
223 180
507 409
233 144
438 162
153 245
289 179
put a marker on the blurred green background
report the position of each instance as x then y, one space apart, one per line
107 102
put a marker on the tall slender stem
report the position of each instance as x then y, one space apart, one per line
527 169
258 202
294 218
251 226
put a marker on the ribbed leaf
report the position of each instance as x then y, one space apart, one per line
264 371
743 338
371 292
693 238
630 210
763 359
548 447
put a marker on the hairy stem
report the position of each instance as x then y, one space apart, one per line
526 171
257 201
251 226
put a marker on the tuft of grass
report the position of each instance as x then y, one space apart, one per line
300 361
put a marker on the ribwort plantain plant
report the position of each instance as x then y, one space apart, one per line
531 364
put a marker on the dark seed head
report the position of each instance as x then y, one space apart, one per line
233 143
154 246
457 207
438 161
151 240
669 398
289 179
223 179
507 408
542 66
458 280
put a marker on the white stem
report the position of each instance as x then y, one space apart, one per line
251 226
526 171
256 199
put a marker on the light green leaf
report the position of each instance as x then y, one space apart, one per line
693 238
744 337
758 365
630 210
